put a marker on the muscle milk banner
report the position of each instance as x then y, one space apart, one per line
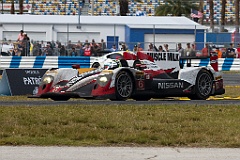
20 81
165 60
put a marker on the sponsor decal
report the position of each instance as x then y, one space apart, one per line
164 56
31 80
140 84
83 75
168 85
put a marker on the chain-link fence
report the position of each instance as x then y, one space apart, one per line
92 48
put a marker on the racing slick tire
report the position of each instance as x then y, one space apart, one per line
123 86
60 98
203 86
95 65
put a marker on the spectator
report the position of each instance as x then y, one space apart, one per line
21 49
81 51
20 36
124 47
188 51
36 49
139 48
151 47
160 49
180 49
238 51
135 49
103 45
205 51
219 52
114 48
79 45
63 51
95 49
166 47
48 51
26 44
231 51
87 50
73 52
193 49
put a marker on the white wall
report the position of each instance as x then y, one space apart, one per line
49 32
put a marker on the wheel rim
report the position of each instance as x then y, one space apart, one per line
205 84
124 85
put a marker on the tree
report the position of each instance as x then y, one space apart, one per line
175 8
12 11
237 15
211 14
20 6
123 7
201 10
223 15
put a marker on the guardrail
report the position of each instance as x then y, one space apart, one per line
225 64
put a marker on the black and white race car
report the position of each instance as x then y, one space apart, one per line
143 80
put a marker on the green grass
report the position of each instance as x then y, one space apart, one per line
121 125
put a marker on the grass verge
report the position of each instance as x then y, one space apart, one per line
121 125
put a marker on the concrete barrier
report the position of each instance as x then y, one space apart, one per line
46 62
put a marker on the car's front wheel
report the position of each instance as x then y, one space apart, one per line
123 86
203 86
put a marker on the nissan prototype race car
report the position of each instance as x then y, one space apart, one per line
141 81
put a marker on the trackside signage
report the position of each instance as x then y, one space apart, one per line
165 60
23 81
164 56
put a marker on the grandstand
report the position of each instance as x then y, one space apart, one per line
111 8
230 10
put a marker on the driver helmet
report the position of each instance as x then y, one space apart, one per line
110 64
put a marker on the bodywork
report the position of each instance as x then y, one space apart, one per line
141 81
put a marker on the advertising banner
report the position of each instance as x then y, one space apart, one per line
21 81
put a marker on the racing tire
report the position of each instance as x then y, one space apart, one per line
60 98
95 65
123 86
203 86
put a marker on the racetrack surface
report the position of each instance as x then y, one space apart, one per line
117 153
81 102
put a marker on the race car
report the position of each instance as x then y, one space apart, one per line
127 55
116 80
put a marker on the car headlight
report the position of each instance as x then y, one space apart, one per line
47 79
104 79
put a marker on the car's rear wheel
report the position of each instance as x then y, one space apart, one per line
60 98
203 86
123 86
95 65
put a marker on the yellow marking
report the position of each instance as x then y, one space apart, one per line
82 70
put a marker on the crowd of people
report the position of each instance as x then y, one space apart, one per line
190 50
24 47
